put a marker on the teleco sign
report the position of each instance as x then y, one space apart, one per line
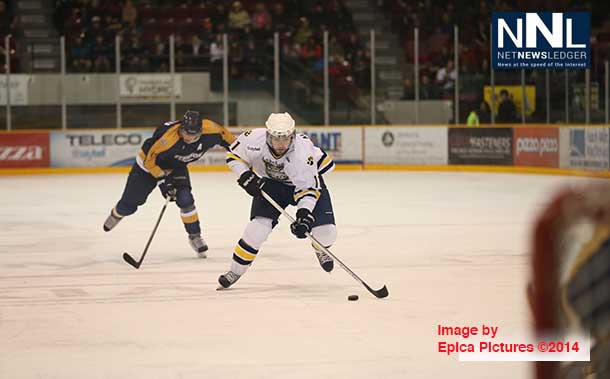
96 148
536 147
18 150
117 139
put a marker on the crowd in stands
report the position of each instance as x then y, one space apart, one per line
435 23
144 27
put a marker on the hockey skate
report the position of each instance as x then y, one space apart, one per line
198 244
325 260
111 221
228 279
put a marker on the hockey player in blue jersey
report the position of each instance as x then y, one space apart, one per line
163 160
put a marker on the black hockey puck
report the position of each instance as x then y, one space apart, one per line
352 297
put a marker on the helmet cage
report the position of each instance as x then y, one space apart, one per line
191 123
279 140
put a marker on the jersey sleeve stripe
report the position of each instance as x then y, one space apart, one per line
324 159
327 168
308 192
234 157
325 163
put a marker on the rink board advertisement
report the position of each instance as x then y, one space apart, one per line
481 146
406 145
536 147
21 150
19 89
96 148
344 145
150 86
584 148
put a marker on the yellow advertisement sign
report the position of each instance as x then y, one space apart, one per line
514 93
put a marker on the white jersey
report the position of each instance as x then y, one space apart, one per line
298 167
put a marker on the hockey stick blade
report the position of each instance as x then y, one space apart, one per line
380 293
127 258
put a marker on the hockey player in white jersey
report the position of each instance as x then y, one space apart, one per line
289 168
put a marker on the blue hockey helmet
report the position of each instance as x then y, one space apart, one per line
191 123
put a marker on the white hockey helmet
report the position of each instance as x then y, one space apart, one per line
280 132
280 124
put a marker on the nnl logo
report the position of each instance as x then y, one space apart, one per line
540 40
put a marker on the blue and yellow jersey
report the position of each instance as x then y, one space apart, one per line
165 150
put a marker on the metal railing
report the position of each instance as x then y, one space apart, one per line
567 96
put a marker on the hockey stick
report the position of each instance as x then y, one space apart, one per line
128 258
380 293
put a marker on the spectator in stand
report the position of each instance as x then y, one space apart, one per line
290 51
408 90
80 56
261 21
279 18
310 51
216 49
158 52
218 16
236 59
181 49
362 69
303 32
129 14
484 113
196 45
239 19
96 30
102 53
473 116
445 77
132 29
507 111
446 24
318 17
427 90
112 25
216 54
352 46
207 25
133 51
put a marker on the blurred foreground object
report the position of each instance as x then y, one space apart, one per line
570 287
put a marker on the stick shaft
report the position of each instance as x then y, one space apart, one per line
322 247
154 231
129 259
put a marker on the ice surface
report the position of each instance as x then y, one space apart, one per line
451 247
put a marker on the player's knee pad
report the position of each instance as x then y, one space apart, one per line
326 234
184 198
257 231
